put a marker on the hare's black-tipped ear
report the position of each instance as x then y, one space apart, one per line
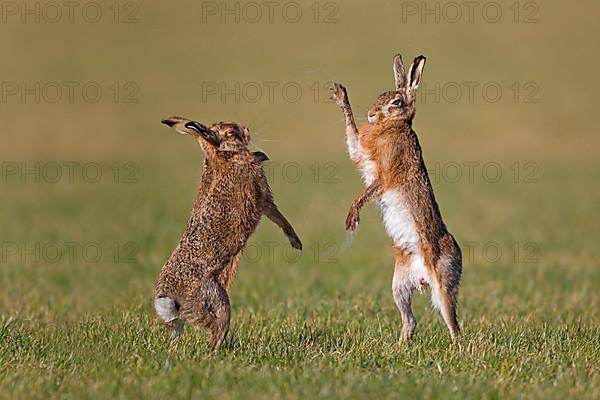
415 72
260 156
399 74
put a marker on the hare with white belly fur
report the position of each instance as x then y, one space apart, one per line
387 152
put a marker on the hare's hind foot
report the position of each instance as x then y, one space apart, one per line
219 328
444 299
208 307
448 311
407 332
174 328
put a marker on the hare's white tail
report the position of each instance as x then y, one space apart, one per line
166 308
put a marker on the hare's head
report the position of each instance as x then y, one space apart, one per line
228 136
399 104
222 136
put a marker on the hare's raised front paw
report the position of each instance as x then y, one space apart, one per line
352 220
295 242
339 95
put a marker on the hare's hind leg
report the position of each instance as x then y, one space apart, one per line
208 307
448 310
445 299
402 291
220 328
445 292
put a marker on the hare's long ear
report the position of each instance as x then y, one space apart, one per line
260 156
399 74
415 72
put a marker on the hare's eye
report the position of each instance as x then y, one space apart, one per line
397 102
236 133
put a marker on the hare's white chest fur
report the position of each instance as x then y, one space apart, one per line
399 225
398 220
369 171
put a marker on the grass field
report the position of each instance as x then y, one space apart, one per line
79 255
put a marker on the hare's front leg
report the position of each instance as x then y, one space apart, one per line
340 96
402 290
372 191
273 213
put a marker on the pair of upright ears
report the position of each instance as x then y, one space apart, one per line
414 73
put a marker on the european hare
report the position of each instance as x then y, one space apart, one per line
387 152
194 283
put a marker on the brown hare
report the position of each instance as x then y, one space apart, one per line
387 152
194 283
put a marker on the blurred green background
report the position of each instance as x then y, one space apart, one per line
194 59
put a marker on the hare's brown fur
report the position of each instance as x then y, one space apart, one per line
388 153
194 283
